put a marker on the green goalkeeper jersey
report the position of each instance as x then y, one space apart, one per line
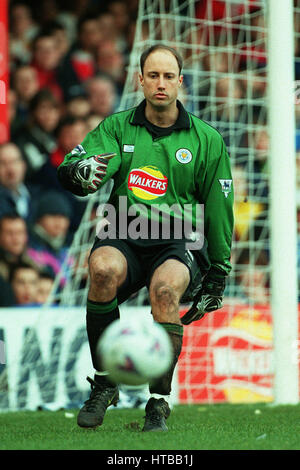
186 165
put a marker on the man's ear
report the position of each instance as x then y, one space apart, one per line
180 80
141 79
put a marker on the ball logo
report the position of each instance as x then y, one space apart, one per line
147 182
183 156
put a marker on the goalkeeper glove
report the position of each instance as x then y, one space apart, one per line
90 172
208 299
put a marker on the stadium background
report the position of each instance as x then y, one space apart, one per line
67 64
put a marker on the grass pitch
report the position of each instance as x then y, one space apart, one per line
193 427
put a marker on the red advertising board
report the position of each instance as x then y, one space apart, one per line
4 127
228 357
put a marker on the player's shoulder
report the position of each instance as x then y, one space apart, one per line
120 116
204 127
117 122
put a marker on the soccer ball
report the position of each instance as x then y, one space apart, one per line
135 351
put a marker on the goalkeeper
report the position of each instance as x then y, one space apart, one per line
155 153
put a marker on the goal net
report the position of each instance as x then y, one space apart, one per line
227 356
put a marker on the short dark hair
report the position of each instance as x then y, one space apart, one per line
20 265
43 95
90 15
10 216
156 47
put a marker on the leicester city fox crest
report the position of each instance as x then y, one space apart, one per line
225 186
183 156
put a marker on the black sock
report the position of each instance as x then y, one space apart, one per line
99 315
162 386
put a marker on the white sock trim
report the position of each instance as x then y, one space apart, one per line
158 396
100 373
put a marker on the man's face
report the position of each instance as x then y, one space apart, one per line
44 288
54 225
102 97
160 79
13 236
47 116
71 135
12 167
26 83
46 54
24 284
90 35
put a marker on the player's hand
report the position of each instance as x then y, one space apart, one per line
208 299
90 172
206 303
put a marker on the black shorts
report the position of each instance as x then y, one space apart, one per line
144 258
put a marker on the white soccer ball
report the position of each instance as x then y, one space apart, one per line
135 351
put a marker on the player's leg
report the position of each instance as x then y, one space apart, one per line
107 269
113 271
168 283
107 272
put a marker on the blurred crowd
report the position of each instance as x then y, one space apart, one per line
67 62
67 66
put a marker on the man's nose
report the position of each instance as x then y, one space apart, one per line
161 82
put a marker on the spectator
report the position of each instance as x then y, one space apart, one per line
258 142
15 248
215 61
37 139
79 64
78 106
255 80
46 11
46 58
23 279
44 288
22 31
252 276
26 85
120 13
229 92
229 112
102 95
110 61
255 49
107 25
49 235
93 120
70 132
15 195
59 32
13 244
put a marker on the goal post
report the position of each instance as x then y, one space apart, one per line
283 200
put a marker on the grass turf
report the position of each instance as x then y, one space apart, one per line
193 427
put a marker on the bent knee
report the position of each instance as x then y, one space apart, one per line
102 274
105 271
164 293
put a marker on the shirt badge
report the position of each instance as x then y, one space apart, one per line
183 156
226 186
128 148
78 150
